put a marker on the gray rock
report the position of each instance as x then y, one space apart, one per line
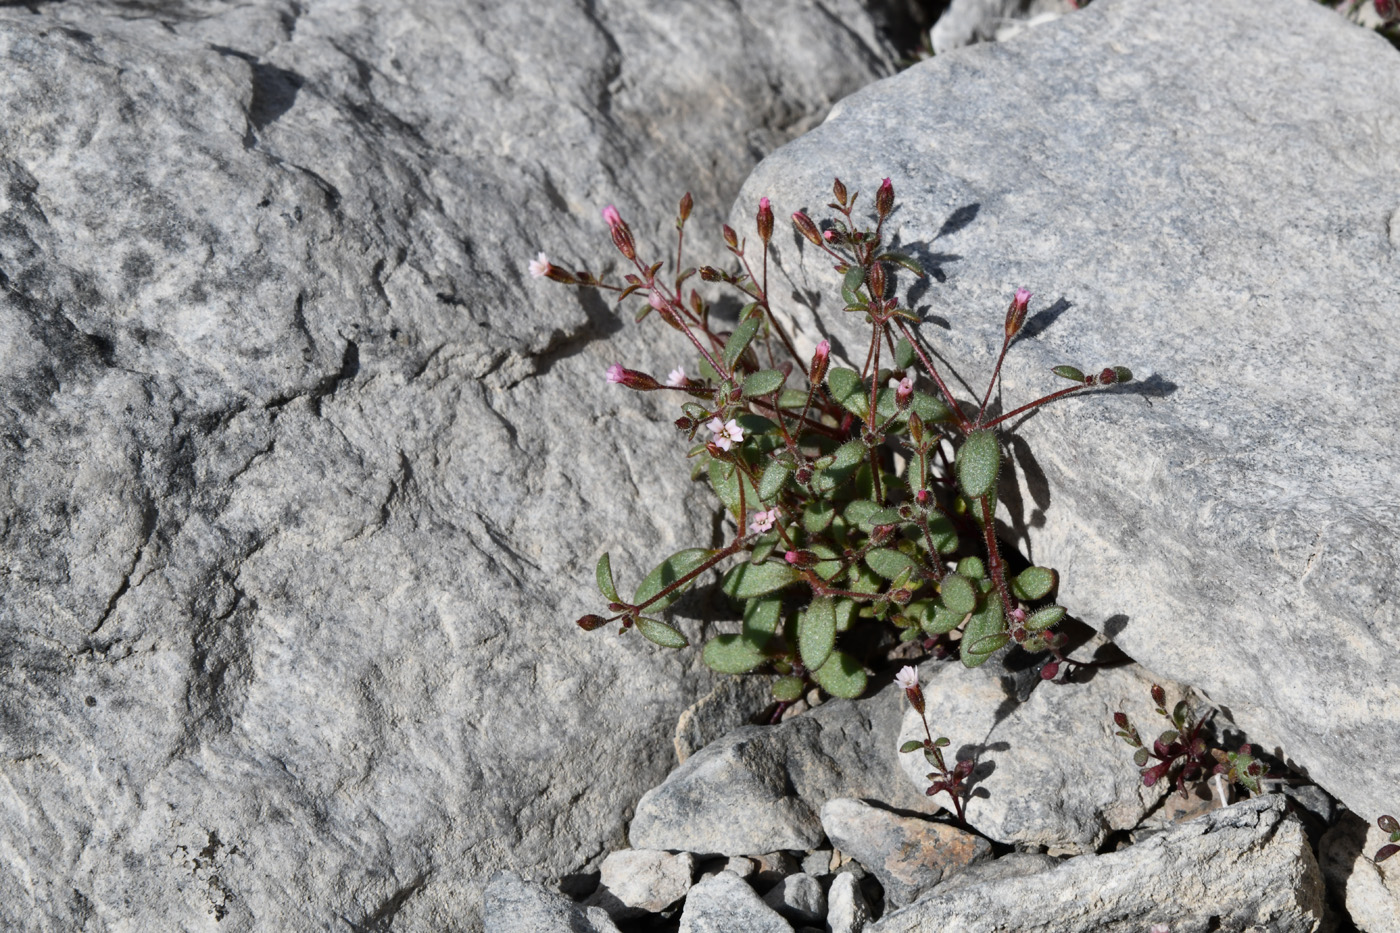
1247 867
637 882
761 788
303 476
1011 865
969 21
1050 770
818 863
799 898
514 905
1370 892
732 703
847 910
1151 169
909 855
771 868
743 867
726 904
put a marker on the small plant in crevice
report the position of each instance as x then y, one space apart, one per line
944 781
1181 754
858 496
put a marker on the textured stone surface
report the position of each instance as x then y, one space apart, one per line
732 703
969 21
908 854
1370 892
1187 192
761 788
1050 770
847 909
636 882
1011 865
726 904
304 477
799 898
1247 867
514 905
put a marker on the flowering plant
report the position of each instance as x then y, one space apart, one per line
857 496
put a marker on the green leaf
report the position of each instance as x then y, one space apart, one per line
1140 757
944 535
1042 619
972 567
763 382
707 372
942 620
794 399
761 618
977 462
930 408
749 580
913 745
816 633
958 593
841 676
605 580
849 391
817 516
851 283
739 340
904 354
787 689
848 454
985 633
667 572
1034 583
866 514
889 562
731 654
900 259
846 610
1123 373
664 635
773 478
726 481
763 547
1068 372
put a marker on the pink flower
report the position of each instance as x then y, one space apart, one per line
884 198
616 373
726 434
539 266
611 215
830 235
1023 298
676 377
817 371
907 678
763 521
904 392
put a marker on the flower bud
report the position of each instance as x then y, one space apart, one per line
830 236
687 202
875 280
820 360
804 475
807 228
923 497
839 190
589 622
884 199
1049 671
731 239
1108 377
1387 10
621 234
765 220
1016 314
631 378
916 428
710 273
800 558
684 423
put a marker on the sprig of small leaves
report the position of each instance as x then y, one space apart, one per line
1388 824
1181 753
829 534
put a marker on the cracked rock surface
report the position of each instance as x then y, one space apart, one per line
303 477
1188 192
